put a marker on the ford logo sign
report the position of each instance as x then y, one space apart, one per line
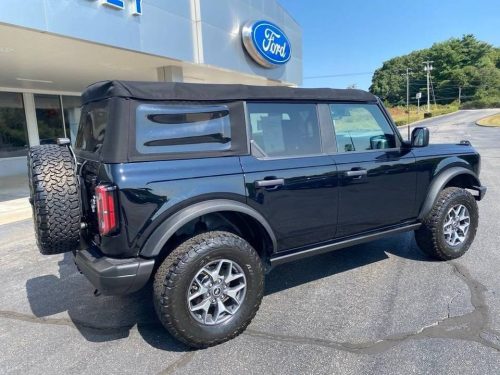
266 43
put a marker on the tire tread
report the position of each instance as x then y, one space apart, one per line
55 198
172 269
428 236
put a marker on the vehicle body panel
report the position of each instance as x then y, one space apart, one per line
304 207
149 192
384 196
313 206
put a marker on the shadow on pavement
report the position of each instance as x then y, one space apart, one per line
320 266
108 318
98 319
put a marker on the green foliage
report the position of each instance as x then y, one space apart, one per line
467 63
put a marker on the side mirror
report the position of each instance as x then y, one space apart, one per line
420 137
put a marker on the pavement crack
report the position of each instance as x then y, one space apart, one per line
183 361
472 326
450 303
73 323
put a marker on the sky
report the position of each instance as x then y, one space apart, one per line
348 37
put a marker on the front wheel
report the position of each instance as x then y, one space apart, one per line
209 288
449 229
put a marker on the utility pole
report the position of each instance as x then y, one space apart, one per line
459 95
408 99
428 67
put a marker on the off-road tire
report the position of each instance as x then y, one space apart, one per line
430 237
172 280
54 198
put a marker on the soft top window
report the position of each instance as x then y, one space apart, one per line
361 127
284 129
165 128
92 128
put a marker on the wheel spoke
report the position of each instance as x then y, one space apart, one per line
203 305
233 292
463 213
229 272
201 291
220 309
233 277
215 273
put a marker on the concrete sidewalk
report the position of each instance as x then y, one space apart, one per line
14 204
15 210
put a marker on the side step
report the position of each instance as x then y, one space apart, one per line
291 256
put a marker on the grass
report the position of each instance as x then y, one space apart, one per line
400 115
490 120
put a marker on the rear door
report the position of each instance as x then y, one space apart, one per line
377 176
289 177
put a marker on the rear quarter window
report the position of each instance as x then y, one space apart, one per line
165 128
92 127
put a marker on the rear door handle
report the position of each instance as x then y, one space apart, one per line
270 183
356 173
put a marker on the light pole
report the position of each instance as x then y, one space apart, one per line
408 99
428 67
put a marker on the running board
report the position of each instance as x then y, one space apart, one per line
280 259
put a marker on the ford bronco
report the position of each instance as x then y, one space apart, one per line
203 188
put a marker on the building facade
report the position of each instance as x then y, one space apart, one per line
50 50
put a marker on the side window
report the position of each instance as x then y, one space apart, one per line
284 129
164 128
361 127
92 128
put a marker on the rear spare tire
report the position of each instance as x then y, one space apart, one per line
55 199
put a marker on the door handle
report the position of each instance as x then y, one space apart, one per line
356 173
270 183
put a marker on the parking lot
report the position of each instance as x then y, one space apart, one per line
381 307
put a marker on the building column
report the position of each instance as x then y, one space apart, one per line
170 73
32 125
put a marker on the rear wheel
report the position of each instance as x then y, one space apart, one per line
55 199
449 229
209 288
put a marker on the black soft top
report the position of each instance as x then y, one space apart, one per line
165 91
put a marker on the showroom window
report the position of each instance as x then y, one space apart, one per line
72 109
57 117
13 132
49 118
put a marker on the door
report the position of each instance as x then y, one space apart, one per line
289 177
377 176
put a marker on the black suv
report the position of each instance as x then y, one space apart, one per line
203 188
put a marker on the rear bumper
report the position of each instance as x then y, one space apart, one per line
481 191
114 276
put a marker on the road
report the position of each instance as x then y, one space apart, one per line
381 307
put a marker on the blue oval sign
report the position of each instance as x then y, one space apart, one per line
266 43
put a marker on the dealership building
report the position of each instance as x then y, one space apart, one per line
50 50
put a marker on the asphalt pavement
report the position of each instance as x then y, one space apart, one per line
381 307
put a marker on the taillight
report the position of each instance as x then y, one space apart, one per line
107 214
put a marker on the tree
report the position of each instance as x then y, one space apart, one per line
466 63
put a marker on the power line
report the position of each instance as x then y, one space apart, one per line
339 75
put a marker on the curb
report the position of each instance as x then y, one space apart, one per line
430 118
487 126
